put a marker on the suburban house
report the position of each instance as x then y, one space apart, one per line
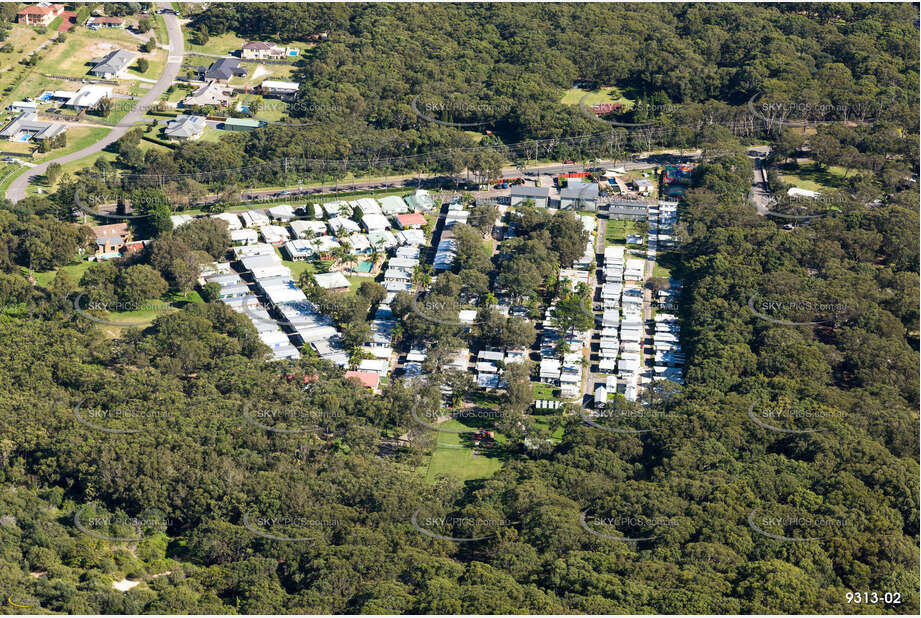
184 128
420 200
393 205
232 220
224 69
40 14
283 90
368 379
301 228
411 220
26 126
89 96
627 209
579 195
95 23
375 222
260 50
110 239
112 65
332 281
643 185
244 236
211 93
523 193
299 249
22 106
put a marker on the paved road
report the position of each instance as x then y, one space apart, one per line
411 180
17 189
760 196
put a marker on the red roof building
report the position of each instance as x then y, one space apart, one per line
40 14
412 220
368 379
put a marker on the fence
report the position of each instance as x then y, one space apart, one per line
257 61
89 80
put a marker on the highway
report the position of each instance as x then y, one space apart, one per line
17 189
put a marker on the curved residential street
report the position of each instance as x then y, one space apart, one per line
17 189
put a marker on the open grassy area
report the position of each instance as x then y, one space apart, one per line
604 94
217 44
23 40
157 62
545 391
77 139
812 176
8 175
616 232
454 456
75 270
667 263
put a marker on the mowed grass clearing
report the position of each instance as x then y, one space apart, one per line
617 230
812 176
24 40
45 278
604 94
452 457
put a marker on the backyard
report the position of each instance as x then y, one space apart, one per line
617 230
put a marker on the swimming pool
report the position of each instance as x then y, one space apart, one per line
45 96
23 138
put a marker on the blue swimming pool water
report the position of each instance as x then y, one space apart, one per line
45 96
24 138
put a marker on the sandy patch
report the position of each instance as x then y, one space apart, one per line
259 72
124 585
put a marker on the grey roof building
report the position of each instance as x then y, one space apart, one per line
579 191
225 68
185 127
27 123
521 193
112 64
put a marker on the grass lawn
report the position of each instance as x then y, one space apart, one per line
812 176
178 93
156 61
667 262
269 109
218 44
9 171
77 139
454 456
23 40
74 270
605 94
543 420
299 267
73 166
210 134
617 230
160 28
170 302
545 391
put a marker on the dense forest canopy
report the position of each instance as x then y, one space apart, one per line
137 453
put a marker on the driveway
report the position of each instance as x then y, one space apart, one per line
17 189
760 195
